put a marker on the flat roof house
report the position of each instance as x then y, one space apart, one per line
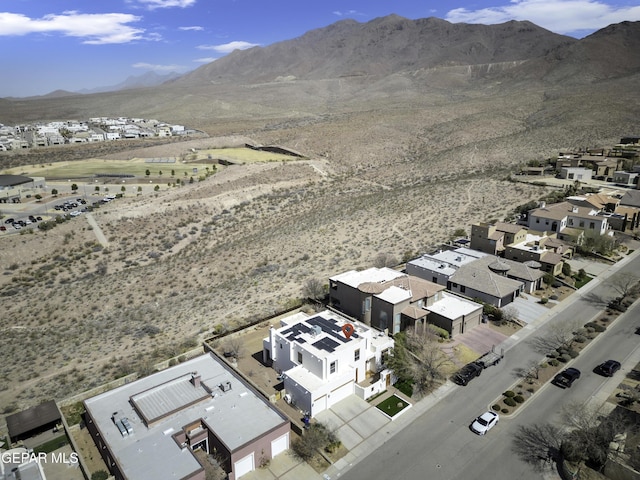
321 364
400 302
149 429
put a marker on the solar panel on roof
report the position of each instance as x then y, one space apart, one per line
326 344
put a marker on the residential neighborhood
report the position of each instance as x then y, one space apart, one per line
376 338
95 129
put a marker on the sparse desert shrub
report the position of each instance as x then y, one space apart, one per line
595 326
510 402
509 394
495 407
518 399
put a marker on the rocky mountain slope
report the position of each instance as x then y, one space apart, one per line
410 129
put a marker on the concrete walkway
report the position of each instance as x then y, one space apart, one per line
362 428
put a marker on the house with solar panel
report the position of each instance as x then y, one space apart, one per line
325 357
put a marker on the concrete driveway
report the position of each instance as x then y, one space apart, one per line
480 339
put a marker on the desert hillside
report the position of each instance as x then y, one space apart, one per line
397 158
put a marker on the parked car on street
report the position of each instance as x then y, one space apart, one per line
485 422
608 368
566 378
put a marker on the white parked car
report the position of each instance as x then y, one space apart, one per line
485 422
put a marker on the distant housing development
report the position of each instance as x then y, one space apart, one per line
96 129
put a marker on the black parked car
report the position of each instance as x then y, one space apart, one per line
566 378
608 368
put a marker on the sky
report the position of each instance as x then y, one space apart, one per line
48 45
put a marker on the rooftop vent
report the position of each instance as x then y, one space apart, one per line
225 386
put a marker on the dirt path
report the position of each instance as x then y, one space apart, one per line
97 230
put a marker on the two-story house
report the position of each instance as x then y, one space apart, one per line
493 238
323 357
401 301
568 221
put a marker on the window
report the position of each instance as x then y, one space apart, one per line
581 224
462 288
300 358
356 355
332 367
366 305
435 280
592 225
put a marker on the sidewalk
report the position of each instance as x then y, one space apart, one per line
363 429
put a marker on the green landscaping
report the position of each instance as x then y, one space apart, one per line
52 445
392 406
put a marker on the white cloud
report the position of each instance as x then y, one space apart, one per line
153 4
348 13
95 28
228 47
158 68
205 60
194 28
560 16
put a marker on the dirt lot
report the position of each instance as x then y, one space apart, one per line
215 254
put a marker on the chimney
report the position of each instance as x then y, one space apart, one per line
195 379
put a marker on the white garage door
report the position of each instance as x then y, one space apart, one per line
319 405
244 466
279 445
341 393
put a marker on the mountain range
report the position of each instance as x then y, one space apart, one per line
429 80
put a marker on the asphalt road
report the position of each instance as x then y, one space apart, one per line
440 445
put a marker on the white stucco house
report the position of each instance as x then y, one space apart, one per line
321 365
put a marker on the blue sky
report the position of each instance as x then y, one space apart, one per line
71 44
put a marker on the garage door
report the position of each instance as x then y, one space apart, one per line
279 445
244 466
341 393
319 405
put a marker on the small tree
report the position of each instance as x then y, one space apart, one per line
147 172
38 196
385 260
123 188
156 188
314 289
234 347
160 173
458 233
99 475
566 269
510 314
139 189
54 192
97 189
173 173
74 187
